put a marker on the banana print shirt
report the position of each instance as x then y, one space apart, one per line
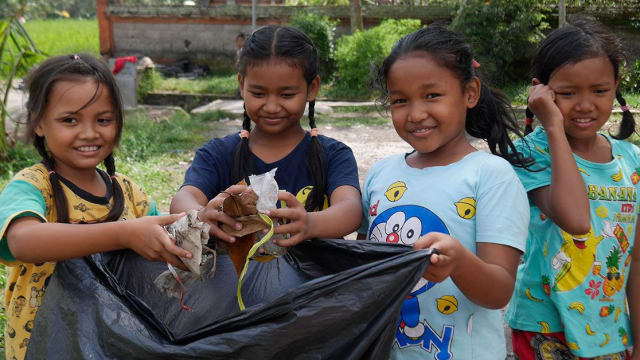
29 194
476 199
576 283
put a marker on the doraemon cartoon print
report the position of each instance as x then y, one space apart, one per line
404 225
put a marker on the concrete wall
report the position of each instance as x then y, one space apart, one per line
164 42
207 33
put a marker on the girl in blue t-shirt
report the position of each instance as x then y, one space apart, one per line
571 290
278 76
447 195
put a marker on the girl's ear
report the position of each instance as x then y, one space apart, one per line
472 92
38 130
535 82
241 85
313 89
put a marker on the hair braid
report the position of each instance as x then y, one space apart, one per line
118 196
242 162
628 124
528 128
316 167
59 198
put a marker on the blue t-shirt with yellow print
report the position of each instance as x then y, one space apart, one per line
576 283
477 199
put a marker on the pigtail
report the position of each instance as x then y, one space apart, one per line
492 119
242 161
118 196
528 120
59 198
316 166
628 124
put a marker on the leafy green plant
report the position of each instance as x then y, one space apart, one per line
40 9
148 82
321 30
357 53
502 33
18 53
631 78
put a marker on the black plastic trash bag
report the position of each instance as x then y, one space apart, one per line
325 299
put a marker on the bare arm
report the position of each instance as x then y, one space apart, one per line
187 198
565 201
633 296
32 241
339 219
487 279
190 197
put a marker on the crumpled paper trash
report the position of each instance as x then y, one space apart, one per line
190 234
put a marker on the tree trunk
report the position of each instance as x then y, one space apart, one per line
562 13
356 15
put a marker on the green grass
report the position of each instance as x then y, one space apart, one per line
154 153
65 36
220 85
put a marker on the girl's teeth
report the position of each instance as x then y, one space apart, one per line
582 120
88 148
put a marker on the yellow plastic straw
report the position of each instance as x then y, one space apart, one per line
253 250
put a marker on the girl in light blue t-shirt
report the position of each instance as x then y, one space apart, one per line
578 273
447 195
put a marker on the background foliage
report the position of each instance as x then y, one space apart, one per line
503 33
321 30
357 53
41 9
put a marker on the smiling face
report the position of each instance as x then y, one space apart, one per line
428 108
584 93
79 134
275 96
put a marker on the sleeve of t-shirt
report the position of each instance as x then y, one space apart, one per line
143 205
535 146
341 167
207 169
502 207
19 198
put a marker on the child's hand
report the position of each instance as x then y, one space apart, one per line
212 214
542 103
445 264
147 237
297 220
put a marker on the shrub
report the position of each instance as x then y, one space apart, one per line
321 30
357 53
502 32
631 78
149 81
